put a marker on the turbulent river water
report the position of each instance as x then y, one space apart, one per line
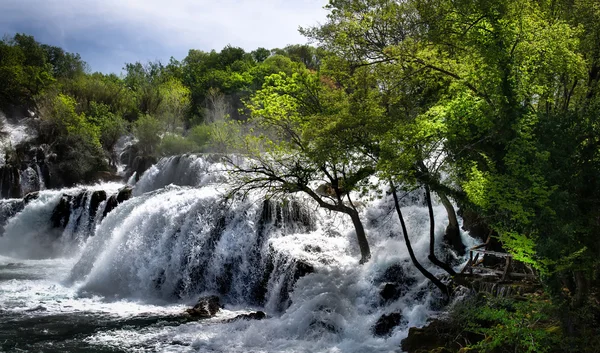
120 281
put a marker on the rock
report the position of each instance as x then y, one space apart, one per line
302 269
113 201
438 336
111 204
390 292
141 164
258 315
124 194
97 197
386 324
62 212
396 281
206 307
10 182
31 196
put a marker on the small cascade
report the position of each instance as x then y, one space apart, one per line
53 222
183 170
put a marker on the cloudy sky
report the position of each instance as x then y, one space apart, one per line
109 33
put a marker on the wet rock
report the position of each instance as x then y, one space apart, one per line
397 274
62 212
124 194
30 181
111 204
258 315
386 324
97 197
10 182
390 292
302 269
206 307
113 201
30 197
141 164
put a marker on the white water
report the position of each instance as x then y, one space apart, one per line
160 250
12 133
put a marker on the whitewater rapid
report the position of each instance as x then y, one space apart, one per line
179 237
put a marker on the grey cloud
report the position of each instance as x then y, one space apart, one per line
108 33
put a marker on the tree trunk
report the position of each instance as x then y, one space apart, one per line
581 289
361 236
452 235
432 256
413 258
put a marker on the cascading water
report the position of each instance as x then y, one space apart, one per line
134 268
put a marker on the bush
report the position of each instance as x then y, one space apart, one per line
510 325
199 135
174 144
147 130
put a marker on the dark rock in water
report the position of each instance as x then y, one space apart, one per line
258 315
62 212
10 182
95 200
394 282
396 274
386 324
206 307
141 164
390 292
302 269
111 204
30 197
124 194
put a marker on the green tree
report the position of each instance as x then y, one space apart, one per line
147 130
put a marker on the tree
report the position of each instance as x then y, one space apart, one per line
304 125
175 103
147 129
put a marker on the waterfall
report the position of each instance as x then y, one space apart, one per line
50 223
179 237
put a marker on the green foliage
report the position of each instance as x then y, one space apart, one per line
510 326
110 125
171 145
147 130
175 103
24 71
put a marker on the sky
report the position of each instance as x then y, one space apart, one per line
109 33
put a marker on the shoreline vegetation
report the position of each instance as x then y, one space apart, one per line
492 107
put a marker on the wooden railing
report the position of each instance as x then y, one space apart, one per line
475 264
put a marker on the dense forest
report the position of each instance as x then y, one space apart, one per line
491 106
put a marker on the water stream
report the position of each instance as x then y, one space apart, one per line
120 282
